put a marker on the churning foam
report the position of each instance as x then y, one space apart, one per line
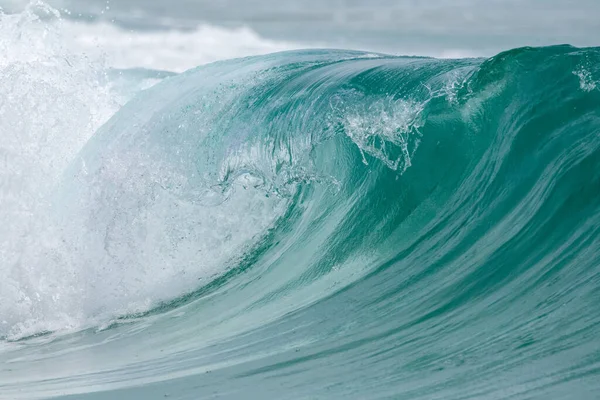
54 94
51 102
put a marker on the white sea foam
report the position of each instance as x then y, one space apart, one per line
54 94
586 81
170 50
387 129
51 102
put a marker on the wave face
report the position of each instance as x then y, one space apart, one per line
323 224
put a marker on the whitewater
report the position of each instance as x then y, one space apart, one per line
295 223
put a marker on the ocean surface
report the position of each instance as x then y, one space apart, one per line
298 223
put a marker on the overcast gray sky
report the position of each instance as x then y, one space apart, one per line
484 26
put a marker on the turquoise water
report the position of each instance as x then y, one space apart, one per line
328 224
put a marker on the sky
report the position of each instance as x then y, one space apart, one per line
377 25
207 30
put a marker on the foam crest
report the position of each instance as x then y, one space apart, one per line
51 102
